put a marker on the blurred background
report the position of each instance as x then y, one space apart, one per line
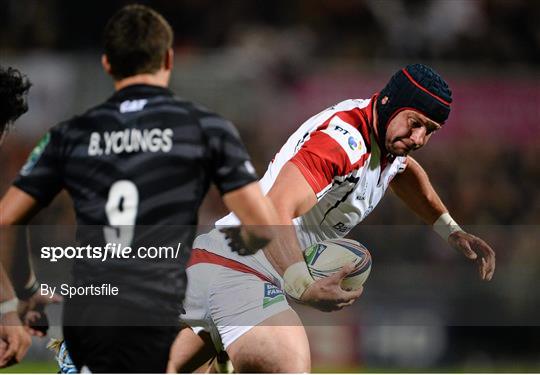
270 65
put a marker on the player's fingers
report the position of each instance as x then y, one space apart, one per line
31 317
343 272
483 248
34 332
488 255
491 270
351 295
23 348
481 268
465 248
345 304
56 298
10 352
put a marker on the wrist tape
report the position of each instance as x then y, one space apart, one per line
445 226
9 306
297 279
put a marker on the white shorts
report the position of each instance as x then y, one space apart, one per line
227 298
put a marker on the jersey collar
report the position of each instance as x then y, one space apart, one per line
139 90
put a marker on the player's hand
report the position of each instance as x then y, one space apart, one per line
14 340
32 312
327 295
246 242
477 250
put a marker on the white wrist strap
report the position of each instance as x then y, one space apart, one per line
445 226
9 306
297 279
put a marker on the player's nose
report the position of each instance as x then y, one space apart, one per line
418 136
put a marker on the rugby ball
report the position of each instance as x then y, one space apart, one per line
327 257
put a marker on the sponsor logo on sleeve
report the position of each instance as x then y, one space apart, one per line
348 137
36 153
249 167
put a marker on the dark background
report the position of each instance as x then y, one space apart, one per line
268 66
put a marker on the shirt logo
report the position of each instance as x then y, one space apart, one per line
352 143
249 167
36 153
348 137
272 294
132 105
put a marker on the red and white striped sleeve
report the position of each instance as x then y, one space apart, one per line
333 150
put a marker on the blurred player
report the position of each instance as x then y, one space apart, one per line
135 166
14 339
325 180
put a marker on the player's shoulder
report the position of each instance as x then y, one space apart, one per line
210 121
64 127
349 118
351 104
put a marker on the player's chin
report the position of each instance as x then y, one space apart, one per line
397 150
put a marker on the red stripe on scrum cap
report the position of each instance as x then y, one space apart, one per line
423 88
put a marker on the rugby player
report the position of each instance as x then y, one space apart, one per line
137 168
328 176
14 339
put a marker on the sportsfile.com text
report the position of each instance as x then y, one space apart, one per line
110 251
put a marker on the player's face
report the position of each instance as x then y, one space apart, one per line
409 130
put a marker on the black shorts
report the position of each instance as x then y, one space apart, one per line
118 349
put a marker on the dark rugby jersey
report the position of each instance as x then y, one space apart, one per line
135 166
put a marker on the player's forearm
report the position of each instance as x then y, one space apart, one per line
6 289
16 209
15 259
285 249
414 188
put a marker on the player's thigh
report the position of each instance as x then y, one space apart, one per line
278 344
190 351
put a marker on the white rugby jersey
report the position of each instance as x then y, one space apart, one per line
339 156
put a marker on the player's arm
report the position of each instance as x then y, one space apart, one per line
414 188
292 196
17 208
14 340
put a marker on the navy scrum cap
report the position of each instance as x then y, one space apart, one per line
415 87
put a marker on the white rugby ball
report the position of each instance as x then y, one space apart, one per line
328 257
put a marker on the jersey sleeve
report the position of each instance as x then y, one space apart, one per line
41 175
330 152
229 159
